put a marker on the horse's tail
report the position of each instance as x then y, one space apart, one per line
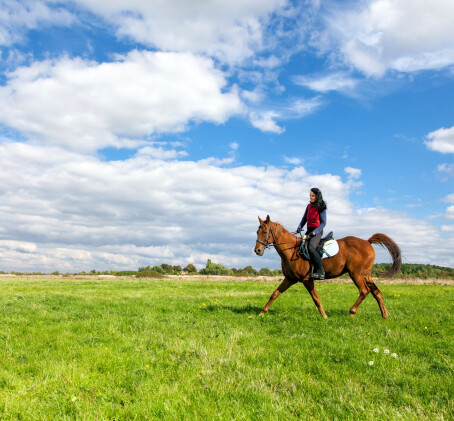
394 250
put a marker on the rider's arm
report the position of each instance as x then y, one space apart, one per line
319 229
303 220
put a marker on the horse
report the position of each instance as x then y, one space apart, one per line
355 257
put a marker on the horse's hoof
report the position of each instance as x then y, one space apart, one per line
262 313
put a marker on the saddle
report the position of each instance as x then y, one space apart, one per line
326 248
323 240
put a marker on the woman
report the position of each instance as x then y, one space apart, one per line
315 217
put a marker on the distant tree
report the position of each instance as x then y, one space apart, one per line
214 269
265 272
177 269
167 268
158 269
190 268
250 270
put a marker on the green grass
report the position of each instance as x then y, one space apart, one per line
137 349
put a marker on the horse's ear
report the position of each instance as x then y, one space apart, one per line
267 219
260 220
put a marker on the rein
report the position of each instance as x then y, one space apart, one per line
268 244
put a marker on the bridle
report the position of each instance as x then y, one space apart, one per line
268 244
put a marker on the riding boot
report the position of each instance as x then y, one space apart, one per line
318 271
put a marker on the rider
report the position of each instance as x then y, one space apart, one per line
315 216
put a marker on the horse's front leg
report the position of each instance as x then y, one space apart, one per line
310 286
284 286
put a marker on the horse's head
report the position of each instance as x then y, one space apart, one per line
265 236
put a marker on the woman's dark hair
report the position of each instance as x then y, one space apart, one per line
321 204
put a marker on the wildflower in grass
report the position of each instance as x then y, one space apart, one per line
371 363
376 350
394 355
74 399
386 351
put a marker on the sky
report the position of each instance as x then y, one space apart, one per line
141 132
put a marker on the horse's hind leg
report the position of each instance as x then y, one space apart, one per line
311 288
284 286
360 282
377 295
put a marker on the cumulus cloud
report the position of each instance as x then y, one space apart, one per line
441 140
402 35
61 210
230 30
87 106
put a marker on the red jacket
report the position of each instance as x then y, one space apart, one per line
313 218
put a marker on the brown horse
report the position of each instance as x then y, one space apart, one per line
355 256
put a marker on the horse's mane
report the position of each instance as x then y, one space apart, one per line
281 229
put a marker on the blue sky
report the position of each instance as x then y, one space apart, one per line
135 133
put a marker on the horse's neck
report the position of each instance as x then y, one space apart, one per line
285 242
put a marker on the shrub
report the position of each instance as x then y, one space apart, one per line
149 273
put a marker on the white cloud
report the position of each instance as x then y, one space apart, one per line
402 35
445 171
353 172
450 209
441 140
88 106
292 161
333 82
18 16
264 121
449 212
354 175
230 30
65 211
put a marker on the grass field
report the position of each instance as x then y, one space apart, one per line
129 349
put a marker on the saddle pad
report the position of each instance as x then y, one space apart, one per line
330 248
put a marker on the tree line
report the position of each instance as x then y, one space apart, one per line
410 271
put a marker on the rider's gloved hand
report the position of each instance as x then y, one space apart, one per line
298 230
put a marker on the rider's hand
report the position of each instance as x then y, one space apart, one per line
298 230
